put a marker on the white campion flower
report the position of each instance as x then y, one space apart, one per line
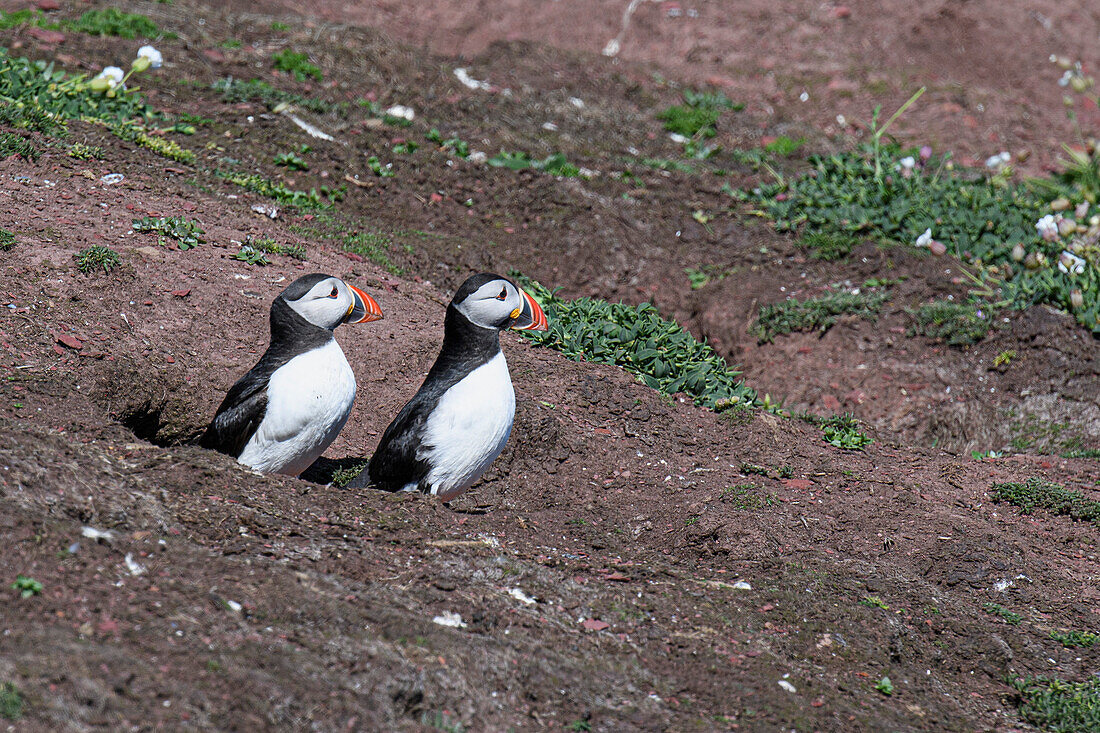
1047 227
113 76
402 112
156 60
1071 263
925 239
1000 159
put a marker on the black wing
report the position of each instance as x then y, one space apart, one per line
241 412
394 464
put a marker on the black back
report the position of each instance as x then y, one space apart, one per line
245 404
465 347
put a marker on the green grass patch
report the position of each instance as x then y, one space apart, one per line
170 149
257 90
554 164
370 244
81 151
661 353
959 324
1057 705
698 115
296 64
1074 639
291 161
97 256
784 145
828 246
842 431
12 143
818 314
1035 493
1003 613
311 199
1082 453
456 145
186 232
267 245
114 22
7 240
11 702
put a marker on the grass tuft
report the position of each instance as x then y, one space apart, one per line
828 246
815 314
186 232
1035 493
296 64
7 240
959 324
11 702
92 258
1057 705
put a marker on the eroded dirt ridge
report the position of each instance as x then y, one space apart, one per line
631 562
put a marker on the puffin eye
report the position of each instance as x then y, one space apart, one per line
503 294
335 292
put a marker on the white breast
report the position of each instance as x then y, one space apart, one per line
469 428
308 401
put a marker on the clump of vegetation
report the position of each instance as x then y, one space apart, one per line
784 145
1074 453
14 144
163 147
187 233
32 117
81 151
382 170
842 431
747 498
291 161
341 477
1001 612
114 22
267 245
1058 705
874 602
828 246
7 240
43 97
659 352
11 702
27 587
698 115
406 148
959 324
257 90
312 199
1074 639
885 686
251 256
456 145
554 164
92 258
1035 493
296 64
700 276
815 314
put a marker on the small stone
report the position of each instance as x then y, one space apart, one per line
71 341
46 35
48 5
594 624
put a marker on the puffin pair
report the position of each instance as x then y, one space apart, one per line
286 410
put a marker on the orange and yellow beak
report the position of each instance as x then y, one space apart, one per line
531 318
364 309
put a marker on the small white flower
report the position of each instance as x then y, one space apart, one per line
804 97
677 138
842 120
1047 227
113 75
925 239
1071 263
1066 77
999 160
156 60
402 112
908 162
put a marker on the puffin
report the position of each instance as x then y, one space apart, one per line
282 414
458 422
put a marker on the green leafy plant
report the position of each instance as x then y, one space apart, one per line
1001 612
251 256
828 246
959 324
1058 705
267 245
7 240
406 148
11 702
554 164
15 144
1004 358
842 431
1073 639
187 233
747 498
698 115
874 602
379 169
312 199
27 587
885 686
659 352
136 133
291 161
92 258
456 145
816 313
296 64
1035 493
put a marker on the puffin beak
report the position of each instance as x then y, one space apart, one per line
363 309
531 318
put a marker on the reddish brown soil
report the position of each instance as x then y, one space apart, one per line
626 516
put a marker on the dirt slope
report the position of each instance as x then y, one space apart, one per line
631 562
